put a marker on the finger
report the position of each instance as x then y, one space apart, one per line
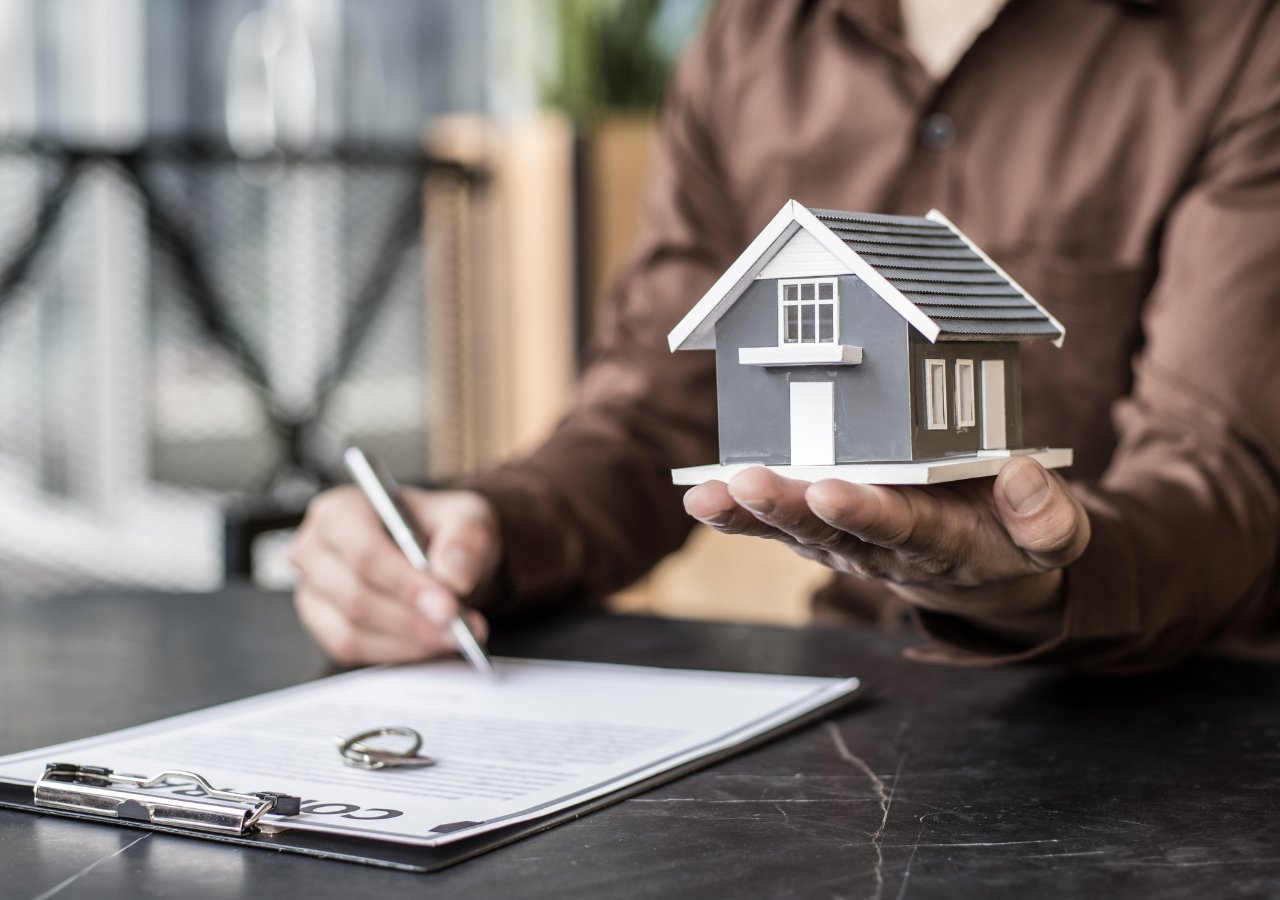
711 504
438 604
351 645
780 502
905 535
1040 514
331 581
440 608
901 520
343 524
464 539
478 624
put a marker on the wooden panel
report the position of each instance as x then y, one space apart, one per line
617 155
718 576
500 269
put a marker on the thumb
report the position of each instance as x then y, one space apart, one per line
456 558
463 541
1040 514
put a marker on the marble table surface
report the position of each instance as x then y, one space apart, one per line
940 782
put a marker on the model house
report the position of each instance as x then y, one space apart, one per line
883 346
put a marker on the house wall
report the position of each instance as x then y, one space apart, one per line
872 405
928 444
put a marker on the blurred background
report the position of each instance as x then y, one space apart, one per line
237 235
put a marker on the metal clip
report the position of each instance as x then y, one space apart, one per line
359 755
89 790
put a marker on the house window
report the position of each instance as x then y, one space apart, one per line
965 414
807 312
935 394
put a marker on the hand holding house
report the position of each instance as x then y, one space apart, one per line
870 348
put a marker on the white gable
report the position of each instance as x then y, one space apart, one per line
804 256
696 331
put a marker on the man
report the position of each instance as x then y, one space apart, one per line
1120 158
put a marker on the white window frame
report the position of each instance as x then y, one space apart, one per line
966 394
935 401
816 303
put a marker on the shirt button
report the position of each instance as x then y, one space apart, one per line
938 131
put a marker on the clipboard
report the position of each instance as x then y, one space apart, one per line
98 795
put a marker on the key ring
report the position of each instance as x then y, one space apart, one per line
359 755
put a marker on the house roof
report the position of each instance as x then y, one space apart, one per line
924 267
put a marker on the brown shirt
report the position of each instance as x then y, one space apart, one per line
1120 159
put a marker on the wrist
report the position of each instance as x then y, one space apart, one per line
1026 610
1034 611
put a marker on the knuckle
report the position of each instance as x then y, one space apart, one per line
933 567
341 644
303 603
335 636
900 533
364 557
1061 530
752 527
771 534
472 506
894 567
806 552
830 541
298 551
478 624
868 567
479 534
321 506
787 520
867 570
747 525
330 506
355 606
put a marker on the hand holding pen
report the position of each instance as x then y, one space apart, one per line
384 495
360 597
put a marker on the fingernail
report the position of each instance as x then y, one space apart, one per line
850 499
435 607
822 509
1026 488
759 505
456 566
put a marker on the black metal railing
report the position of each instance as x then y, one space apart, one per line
174 236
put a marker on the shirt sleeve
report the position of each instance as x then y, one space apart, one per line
594 507
1186 520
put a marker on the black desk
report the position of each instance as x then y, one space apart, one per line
942 783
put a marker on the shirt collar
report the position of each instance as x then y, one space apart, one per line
887 14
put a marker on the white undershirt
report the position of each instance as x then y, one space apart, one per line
940 31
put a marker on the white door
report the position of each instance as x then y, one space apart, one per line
993 412
813 428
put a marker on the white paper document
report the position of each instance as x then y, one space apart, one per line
541 737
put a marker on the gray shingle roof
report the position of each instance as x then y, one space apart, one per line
937 271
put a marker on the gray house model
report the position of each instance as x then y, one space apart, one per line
872 348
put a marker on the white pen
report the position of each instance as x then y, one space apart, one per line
384 495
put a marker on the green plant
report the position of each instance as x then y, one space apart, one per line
618 54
